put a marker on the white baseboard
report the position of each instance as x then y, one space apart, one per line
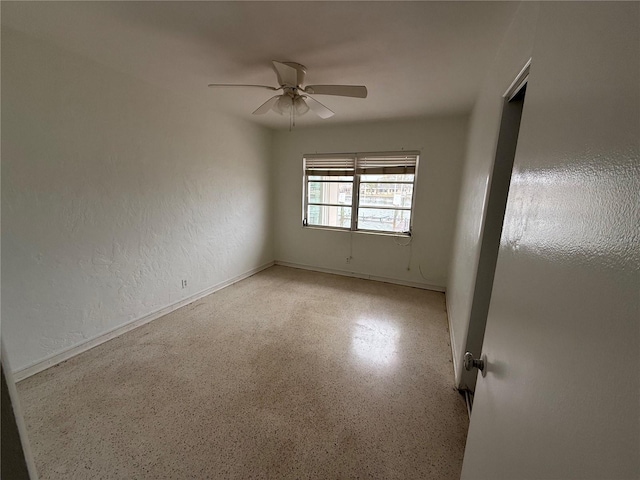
454 350
70 352
424 286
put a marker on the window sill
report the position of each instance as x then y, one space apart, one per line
364 232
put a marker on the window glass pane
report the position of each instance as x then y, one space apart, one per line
325 192
329 216
330 177
386 194
386 220
387 178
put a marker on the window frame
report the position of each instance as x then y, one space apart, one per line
355 160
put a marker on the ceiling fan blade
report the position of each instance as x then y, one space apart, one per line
358 91
286 75
241 85
318 108
266 106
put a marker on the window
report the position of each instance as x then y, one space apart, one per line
371 192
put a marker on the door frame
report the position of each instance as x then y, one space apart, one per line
493 217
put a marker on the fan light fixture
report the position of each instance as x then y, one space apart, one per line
300 105
283 105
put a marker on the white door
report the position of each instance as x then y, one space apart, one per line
561 395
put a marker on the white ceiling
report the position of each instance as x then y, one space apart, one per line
416 58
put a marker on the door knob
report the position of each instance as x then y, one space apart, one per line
470 363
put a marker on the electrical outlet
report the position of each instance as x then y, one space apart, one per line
184 284
348 259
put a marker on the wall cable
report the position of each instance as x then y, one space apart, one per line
408 244
421 274
395 240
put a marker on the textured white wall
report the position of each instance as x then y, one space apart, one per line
560 398
483 136
112 192
442 141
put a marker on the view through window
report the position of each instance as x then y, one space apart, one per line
379 188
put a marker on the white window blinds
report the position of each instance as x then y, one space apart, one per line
381 164
329 165
365 163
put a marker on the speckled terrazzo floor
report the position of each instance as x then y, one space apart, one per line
287 374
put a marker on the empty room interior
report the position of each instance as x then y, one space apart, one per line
391 240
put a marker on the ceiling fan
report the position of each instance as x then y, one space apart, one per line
295 99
